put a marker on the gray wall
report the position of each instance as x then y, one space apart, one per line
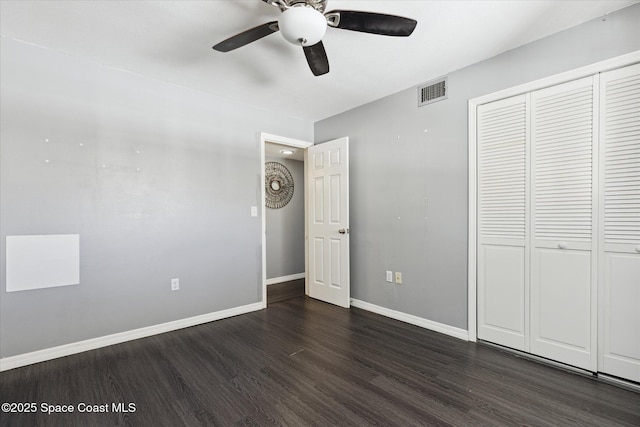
285 228
182 171
409 170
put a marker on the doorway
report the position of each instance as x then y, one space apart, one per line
286 223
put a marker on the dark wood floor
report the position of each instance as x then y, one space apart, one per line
284 291
302 362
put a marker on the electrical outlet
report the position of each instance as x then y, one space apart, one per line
389 276
398 278
175 284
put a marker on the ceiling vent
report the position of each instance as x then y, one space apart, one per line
435 90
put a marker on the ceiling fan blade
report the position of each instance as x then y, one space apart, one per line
247 37
317 58
369 22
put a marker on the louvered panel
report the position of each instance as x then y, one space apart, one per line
501 169
562 136
621 144
619 223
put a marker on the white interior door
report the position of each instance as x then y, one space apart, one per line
503 283
564 208
328 221
619 250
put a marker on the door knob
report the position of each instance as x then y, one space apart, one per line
562 245
343 231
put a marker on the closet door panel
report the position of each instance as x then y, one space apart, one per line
561 305
563 147
620 337
502 273
502 224
619 320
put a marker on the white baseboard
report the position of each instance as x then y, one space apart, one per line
94 343
288 278
414 320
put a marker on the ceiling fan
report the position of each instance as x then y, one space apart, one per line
304 23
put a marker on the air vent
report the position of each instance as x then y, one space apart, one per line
435 90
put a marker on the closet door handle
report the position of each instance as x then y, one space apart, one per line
562 245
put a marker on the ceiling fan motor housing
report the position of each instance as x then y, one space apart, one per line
302 26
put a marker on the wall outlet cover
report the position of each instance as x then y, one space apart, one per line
398 278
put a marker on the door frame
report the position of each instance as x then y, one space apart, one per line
598 67
290 142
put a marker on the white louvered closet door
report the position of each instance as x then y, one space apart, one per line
619 257
564 152
502 240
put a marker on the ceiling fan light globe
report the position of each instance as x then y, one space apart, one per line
302 26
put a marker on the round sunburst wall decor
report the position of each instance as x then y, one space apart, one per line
278 184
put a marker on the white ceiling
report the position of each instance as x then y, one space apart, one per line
171 41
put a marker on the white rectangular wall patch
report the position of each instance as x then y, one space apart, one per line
45 261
